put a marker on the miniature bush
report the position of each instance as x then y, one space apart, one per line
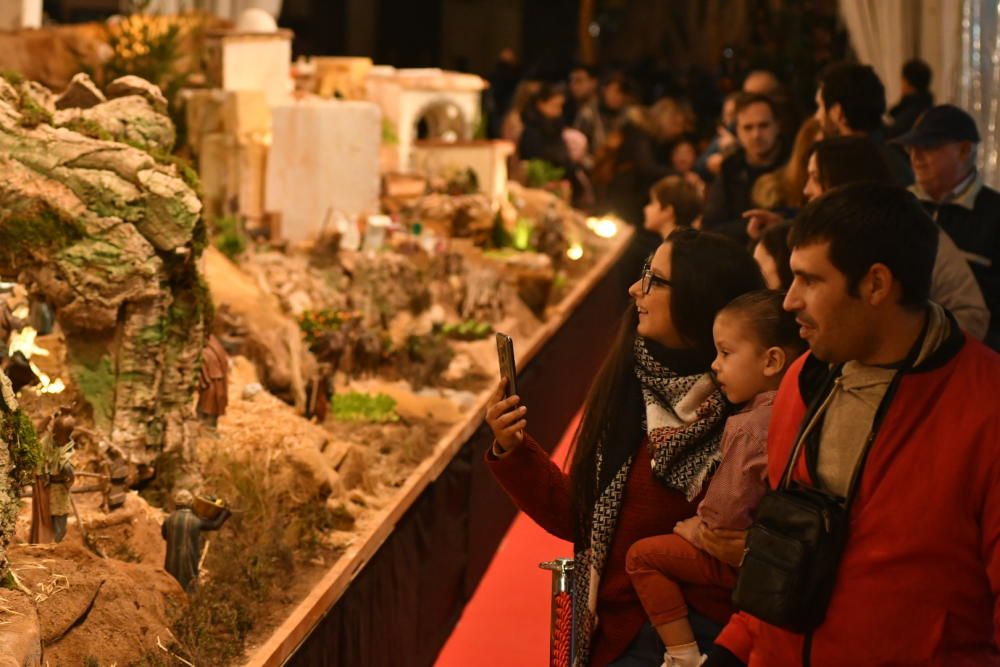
355 406
540 173
229 238
468 330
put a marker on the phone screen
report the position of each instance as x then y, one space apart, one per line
505 357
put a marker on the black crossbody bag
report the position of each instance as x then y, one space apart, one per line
798 536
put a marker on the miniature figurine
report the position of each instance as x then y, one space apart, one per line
213 383
51 503
182 531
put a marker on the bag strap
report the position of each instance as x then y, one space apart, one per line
883 409
814 406
880 413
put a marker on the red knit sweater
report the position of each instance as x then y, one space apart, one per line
541 490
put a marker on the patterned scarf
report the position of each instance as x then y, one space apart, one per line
683 423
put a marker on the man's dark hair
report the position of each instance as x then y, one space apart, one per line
850 159
858 91
918 73
873 223
589 69
746 100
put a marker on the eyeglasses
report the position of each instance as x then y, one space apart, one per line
649 279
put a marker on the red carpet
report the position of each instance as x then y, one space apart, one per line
506 623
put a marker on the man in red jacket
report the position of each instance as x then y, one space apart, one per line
919 578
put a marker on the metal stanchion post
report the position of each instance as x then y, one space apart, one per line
561 639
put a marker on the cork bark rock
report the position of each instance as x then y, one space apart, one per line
108 234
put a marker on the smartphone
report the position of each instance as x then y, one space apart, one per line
508 370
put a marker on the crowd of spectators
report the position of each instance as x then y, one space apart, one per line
733 500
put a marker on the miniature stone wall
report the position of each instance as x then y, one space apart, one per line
96 221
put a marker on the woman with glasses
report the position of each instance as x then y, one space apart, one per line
648 440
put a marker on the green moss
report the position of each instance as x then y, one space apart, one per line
12 77
229 238
32 113
354 406
88 128
26 226
97 384
25 449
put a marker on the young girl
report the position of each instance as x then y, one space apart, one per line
673 204
755 340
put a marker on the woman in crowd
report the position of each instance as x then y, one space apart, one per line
648 440
842 160
773 254
542 138
641 155
513 124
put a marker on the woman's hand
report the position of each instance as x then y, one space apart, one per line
505 417
726 545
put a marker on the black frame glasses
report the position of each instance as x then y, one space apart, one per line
649 279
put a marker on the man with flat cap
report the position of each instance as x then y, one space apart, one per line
942 147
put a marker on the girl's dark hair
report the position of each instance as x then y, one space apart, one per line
707 272
850 159
772 325
775 242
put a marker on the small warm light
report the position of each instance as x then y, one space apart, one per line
23 341
522 234
606 228
575 252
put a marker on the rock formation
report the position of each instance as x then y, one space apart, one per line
96 222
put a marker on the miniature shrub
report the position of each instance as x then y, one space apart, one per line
468 330
355 406
540 173
229 238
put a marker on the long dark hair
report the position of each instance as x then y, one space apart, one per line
775 242
850 159
707 272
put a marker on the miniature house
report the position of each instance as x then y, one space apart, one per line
324 160
487 158
239 60
425 104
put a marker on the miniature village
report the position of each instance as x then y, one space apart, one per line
243 300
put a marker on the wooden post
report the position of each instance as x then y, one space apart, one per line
588 45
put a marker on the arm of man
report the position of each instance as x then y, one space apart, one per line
954 286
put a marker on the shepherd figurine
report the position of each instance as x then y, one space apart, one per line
213 382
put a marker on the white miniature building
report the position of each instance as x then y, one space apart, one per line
18 14
252 60
448 102
324 160
487 158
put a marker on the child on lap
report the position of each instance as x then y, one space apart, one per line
756 340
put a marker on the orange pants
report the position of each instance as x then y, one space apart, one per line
659 567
